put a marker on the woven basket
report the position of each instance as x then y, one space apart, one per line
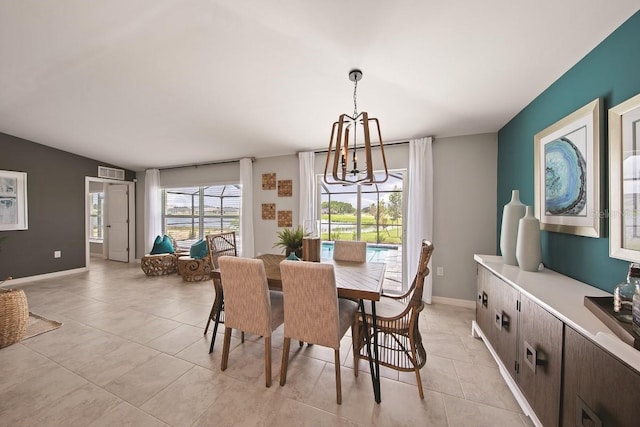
14 316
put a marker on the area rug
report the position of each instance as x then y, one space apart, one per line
39 325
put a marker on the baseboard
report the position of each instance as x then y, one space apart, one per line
476 332
23 280
454 301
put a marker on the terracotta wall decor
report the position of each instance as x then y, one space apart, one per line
268 211
268 181
285 188
285 218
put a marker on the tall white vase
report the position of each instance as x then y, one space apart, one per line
528 247
511 214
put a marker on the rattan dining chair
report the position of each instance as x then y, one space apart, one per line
219 245
313 313
399 340
347 250
249 305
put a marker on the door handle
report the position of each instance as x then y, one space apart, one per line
532 357
501 320
585 416
485 299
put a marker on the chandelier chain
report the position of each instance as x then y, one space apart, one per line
355 102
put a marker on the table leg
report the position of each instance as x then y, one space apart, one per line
374 365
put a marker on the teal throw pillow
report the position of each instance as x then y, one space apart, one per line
162 245
199 249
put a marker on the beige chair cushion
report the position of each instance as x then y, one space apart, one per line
313 311
344 250
248 304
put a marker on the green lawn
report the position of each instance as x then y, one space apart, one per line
391 234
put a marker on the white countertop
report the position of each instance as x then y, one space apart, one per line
564 298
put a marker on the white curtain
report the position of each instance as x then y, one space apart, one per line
419 206
247 245
308 208
152 208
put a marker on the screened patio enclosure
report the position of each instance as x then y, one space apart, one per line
190 213
370 213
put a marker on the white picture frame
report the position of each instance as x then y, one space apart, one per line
567 173
13 201
624 180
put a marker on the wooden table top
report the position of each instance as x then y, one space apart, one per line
358 280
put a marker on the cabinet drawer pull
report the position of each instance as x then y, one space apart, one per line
532 357
501 320
585 416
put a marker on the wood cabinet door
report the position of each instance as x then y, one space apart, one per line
599 390
540 360
483 317
504 319
497 316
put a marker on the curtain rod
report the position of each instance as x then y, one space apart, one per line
219 162
386 144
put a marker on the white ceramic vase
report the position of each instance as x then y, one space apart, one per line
511 214
528 247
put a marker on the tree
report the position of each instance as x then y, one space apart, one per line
338 207
379 212
395 205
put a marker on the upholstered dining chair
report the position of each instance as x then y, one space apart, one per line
399 340
249 305
221 244
346 250
313 313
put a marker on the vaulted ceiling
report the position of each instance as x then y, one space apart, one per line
157 83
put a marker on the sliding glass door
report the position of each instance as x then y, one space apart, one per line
370 213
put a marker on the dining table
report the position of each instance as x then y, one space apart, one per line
361 281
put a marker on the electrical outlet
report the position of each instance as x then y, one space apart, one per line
440 271
57 254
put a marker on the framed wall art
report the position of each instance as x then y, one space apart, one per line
567 173
13 200
624 180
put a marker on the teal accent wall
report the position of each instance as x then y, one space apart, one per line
611 71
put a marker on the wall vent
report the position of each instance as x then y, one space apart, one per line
112 173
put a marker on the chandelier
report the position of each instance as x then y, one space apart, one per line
349 158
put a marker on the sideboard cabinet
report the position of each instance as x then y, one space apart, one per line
548 349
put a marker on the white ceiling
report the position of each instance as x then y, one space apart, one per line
157 83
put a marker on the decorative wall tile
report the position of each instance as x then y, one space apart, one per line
268 181
285 188
285 218
268 211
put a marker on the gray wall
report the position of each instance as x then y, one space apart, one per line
465 181
464 202
56 208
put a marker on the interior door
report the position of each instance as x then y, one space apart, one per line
117 222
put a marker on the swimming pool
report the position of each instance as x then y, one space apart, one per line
375 252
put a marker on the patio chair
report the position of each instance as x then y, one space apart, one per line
249 305
399 340
313 313
222 244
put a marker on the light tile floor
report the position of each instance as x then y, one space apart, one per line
131 351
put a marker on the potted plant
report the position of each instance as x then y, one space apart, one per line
291 240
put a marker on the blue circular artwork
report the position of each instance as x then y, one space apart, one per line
565 178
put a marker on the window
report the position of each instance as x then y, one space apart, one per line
190 213
96 226
370 213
